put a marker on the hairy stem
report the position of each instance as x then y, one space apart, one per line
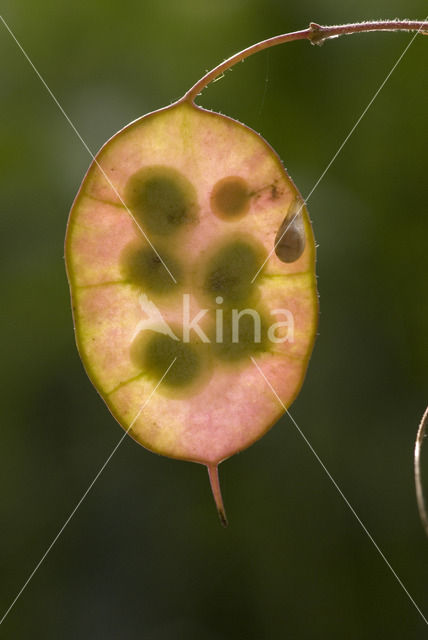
316 34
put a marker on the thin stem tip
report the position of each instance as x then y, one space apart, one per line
215 488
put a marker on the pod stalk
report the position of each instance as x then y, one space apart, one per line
418 481
315 33
215 488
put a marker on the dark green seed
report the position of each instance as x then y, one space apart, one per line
154 353
230 271
144 267
162 199
242 336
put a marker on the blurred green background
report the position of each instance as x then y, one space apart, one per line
144 556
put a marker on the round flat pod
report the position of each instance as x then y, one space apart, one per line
171 260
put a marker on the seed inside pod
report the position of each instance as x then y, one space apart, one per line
290 240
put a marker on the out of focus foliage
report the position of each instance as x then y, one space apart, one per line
144 557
